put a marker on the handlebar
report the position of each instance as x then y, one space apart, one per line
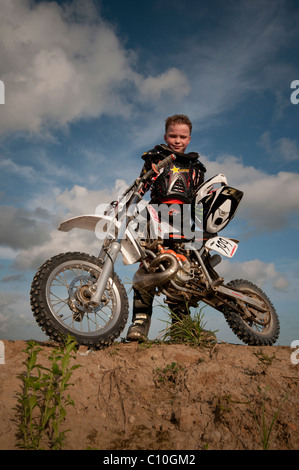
157 168
139 182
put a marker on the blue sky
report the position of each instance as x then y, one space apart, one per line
88 86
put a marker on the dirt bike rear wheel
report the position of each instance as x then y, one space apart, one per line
252 326
59 301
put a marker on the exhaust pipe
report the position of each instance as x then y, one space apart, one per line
144 280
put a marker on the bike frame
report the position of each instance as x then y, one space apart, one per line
121 237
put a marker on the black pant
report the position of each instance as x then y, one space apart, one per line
143 303
143 300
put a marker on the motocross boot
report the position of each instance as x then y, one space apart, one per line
141 320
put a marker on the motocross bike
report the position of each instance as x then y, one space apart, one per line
81 295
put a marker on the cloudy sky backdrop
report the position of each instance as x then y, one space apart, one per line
88 86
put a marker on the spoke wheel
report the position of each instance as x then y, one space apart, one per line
250 325
60 301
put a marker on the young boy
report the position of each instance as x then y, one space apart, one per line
176 184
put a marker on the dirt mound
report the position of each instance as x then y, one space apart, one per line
168 396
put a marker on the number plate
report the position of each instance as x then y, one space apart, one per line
224 246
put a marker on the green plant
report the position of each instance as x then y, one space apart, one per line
168 373
188 329
222 406
264 360
265 427
41 406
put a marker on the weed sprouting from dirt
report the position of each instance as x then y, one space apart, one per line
188 329
265 361
41 406
265 425
168 374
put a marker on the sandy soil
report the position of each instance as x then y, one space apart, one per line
168 396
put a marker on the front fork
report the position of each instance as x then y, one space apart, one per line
97 290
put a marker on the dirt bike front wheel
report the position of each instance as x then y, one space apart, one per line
60 301
251 326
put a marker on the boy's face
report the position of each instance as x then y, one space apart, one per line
177 137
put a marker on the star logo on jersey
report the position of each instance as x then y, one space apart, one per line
175 169
179 170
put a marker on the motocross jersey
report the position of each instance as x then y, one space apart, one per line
178 181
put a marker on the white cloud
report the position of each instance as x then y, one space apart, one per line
79 200
47 240
7 253
271 202
61 64
58 69
25 171
21 229
283 149
255 270
77 240
173 81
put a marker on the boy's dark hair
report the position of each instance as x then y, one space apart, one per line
178 119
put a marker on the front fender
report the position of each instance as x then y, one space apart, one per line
99 224
85 222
